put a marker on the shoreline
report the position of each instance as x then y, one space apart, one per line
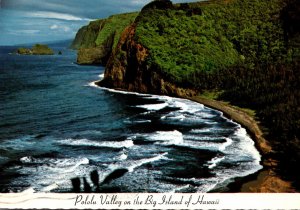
262 181
265 180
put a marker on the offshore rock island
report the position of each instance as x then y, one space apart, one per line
240 55
38 49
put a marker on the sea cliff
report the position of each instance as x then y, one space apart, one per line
96 41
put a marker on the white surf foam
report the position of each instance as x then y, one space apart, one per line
189 106
204 138
137 121
56 164
47 174
210 130
247 145
183 105
85 142
213 162
26 159
226 144
200 131
205 115
101 76
179 117
123 155
153 107
93 84
179 188
206 145
167 137
132 164
50 187
179 104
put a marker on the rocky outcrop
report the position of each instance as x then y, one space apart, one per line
38 49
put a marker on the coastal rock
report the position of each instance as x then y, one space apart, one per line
38 49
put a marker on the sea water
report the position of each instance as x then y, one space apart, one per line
57 125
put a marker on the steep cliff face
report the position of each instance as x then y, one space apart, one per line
96 41
128 69
97 54
87 35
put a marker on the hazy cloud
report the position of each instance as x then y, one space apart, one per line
56 15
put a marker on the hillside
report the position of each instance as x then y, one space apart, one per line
243 52
96 40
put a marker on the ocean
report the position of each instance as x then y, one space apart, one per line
61 133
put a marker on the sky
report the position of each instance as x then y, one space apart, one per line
32 21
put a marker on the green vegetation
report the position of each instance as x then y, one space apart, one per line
38 49
24 51
211 94
86 36
100 32
114 25
183 45
96 41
